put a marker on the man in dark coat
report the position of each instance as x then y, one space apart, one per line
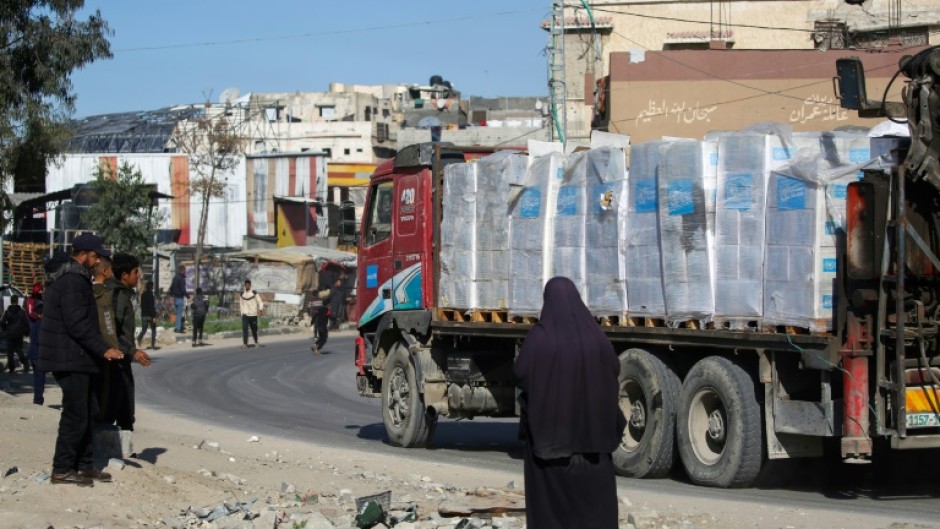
15 325
148 316
571 419
71 347
179 294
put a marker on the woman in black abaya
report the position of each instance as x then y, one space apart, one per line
571 421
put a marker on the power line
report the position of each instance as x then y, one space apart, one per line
704 22
327 33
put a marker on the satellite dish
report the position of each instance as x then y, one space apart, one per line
538 104
228 95
441 103
428 122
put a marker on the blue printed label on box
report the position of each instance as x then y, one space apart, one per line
859 155
713 159
680 200
645 196
827 301
372 276
738 192
781 153
530 203
560 173
567 201
791 193
829 265
838 190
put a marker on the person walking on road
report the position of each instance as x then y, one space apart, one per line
250 305
33 307
148 316
179 294
71 347
570 420
15 326
200 309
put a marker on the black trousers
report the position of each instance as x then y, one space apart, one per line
148 322
79 405
252 322
14 351
199 322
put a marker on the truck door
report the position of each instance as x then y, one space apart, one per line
375 256
411 241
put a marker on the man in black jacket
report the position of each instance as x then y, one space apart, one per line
14 325
71 347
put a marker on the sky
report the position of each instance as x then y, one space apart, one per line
172 52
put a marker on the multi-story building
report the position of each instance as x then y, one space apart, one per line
596 31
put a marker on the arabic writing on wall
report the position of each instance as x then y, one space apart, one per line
817 107
683 112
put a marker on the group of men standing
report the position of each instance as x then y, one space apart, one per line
87 342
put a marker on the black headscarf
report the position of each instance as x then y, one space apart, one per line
567 371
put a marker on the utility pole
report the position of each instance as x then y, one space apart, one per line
558 92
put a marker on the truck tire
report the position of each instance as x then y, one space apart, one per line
719 425
649 394
407 423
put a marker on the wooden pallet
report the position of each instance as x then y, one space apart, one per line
525 320
457 315
736 324
23 263
490 316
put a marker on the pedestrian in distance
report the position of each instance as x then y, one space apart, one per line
571 420
200 309
250 306
336 301
15 326
71 347
179 294
33 308
148 316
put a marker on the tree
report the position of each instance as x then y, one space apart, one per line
41 44
124 214
215 146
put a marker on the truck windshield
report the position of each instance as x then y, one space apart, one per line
380 213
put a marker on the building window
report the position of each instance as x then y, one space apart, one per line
328 151
346 152
829 34
326 111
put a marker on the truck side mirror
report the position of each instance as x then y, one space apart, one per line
850 83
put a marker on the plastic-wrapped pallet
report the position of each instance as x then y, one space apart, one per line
641 240
458 244
497 174
568 250
744 165
606 216
683 227
800 262
531 234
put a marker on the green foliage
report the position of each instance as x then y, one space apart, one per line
123 214
41 44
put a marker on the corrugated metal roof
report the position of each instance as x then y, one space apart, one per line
128 132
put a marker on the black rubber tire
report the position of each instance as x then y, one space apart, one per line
407 422
717 388
649 398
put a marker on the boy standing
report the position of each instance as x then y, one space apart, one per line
200 308
250 306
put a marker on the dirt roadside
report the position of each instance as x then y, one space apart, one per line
180 469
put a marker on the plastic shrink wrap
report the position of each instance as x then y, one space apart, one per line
568 250
498 175
531 234
606 227
458 244
641 240
683 226
806 201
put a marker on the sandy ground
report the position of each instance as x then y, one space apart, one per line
172 473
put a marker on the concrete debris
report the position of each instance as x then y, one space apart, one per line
287 488
10 471
115 463
169 479
254 439
626 501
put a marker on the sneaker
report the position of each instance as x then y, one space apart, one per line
244 346
194 344
71 478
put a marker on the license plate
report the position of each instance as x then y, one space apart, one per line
922 420
922 400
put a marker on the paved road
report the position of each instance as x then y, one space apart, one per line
282 389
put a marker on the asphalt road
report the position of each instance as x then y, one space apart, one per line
284 390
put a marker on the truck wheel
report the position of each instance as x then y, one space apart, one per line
649 393
719 425
407 422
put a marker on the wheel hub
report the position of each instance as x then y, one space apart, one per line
638 415
716 426
399 404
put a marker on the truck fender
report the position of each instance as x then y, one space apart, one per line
388 333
